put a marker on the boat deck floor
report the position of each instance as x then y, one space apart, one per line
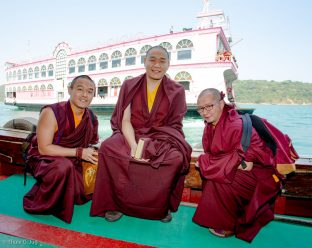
20 229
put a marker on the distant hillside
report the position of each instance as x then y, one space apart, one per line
262 91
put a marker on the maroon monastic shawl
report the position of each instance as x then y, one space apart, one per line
144 189
233 199
59 180
171 128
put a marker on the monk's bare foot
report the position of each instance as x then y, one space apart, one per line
221 233
112 216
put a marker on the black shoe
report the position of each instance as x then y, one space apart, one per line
168 218
112 216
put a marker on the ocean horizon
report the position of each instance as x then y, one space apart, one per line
293 120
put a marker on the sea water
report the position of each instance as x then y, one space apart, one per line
294 120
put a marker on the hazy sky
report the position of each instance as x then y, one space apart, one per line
273 35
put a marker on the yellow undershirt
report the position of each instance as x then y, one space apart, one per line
77 119
151 95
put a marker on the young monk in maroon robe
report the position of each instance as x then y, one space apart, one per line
234 200
149 106
65 131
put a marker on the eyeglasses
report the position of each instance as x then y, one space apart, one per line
207 107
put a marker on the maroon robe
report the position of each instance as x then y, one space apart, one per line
59 179
144 189
233 199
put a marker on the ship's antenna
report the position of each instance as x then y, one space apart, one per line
236 42
205 7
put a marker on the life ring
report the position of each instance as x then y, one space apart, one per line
25 123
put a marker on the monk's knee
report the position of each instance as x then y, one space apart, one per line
63 167
175 157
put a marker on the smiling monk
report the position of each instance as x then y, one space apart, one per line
65 131
150 106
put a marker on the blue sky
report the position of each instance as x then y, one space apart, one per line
273 36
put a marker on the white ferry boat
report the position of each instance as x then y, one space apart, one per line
200 57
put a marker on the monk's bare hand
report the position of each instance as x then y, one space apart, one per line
133 149
90 154
249 166
141 159
197 164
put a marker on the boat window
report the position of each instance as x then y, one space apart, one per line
50 70
143 51
130 55
43 71
36 72
92 63
19 75
184 78
30 73
24 74
116 59
168 47
60 67
103 61
71 66
184 49
81 65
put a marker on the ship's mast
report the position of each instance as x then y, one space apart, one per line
209 18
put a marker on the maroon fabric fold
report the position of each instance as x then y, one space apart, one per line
144 189
59 179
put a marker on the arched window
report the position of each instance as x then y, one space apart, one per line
24 88
10 76
19 75
184 78
116 59
71 66
81 65
50 87
102 88
43 71
18 88
60 67
50 70
92 63
36 72
103 61
30 73
36 88
143 52
14 75
130 55
24 74
30 88
168 47
184 49
115 85
42 87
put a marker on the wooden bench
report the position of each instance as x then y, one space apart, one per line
13 143
295 199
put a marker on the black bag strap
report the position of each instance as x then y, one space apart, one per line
247 127
246 136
